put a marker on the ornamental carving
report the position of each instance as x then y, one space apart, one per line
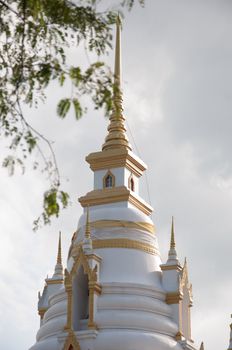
71 342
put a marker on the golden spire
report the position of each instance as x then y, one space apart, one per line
172 243
59 257
58 273
172 255
116 137
202 346
87 226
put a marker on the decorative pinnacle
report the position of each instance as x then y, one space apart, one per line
116 137
172 255
202 346
87 227
172 243
117 63
58 273
59 257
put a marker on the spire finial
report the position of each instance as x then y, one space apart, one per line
59 256
117 63
116 137
202 346
172 255
58 273
87 227
172 242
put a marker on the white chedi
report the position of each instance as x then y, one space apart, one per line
116 294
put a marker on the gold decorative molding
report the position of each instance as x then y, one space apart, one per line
81 260
109 173
165 267
71 342
99 224
113 195
145 226
125 243
173 297
118 243
116 158
54 281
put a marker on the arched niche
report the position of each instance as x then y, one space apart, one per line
131 183
109 180
80 291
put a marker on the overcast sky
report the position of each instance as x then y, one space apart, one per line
177 81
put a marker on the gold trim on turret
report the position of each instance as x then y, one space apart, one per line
165 267
68 288
174 297
116 158
54 281
114 195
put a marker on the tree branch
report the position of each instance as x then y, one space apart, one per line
9 8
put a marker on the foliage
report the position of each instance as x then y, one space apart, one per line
34 36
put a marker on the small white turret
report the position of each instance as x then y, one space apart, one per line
52 284
179 291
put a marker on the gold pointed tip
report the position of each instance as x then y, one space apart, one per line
202 346
118 19
173 224
172 243
59 257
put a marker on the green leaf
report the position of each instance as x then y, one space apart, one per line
51 206
62 79
77 108
63 107
64 198
75 75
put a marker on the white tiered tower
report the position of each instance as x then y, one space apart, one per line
116 294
